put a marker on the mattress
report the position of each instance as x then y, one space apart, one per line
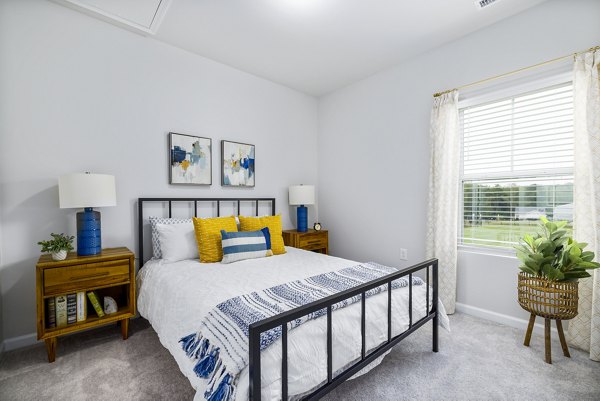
174 297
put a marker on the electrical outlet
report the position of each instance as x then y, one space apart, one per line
403 254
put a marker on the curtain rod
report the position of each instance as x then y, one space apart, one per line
506 74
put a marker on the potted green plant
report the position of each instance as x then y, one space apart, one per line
552 262
58 246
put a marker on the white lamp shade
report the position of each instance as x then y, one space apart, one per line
302 195
81 190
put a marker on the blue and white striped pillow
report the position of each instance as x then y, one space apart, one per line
245 245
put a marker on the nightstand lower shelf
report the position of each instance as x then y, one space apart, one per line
94 321
51 336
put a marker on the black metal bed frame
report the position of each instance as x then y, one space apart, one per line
170 201
282 319
366 358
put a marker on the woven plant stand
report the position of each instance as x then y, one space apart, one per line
551 300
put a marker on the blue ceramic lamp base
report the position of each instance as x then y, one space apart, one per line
89 240
302 219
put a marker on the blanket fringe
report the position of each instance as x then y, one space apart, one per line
188 342
198 347
216 379
202 349
224 390
217 368
195 346
210 366
206 365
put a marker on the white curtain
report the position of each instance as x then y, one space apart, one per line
584 330
444 170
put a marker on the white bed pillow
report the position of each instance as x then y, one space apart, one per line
177 241
156 252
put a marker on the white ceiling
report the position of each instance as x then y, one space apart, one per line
317 46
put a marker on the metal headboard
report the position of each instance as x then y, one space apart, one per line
170 202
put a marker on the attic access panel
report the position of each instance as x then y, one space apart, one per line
141 16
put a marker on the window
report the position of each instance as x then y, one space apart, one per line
517 165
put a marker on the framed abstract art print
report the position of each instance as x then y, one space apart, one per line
190 159
237 164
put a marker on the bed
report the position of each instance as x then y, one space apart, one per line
305 362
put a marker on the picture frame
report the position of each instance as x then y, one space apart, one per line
190 159
238 164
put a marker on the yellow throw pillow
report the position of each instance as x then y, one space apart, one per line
274 225
208 236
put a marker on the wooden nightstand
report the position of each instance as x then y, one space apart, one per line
110 273
311 240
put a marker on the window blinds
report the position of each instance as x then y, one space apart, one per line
520 135
517 165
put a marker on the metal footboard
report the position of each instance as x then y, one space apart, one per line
282 319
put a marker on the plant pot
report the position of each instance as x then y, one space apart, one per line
59 255
548 299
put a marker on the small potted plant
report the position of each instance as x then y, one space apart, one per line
552 262
58 246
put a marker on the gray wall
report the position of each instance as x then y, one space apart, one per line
78 94
373 145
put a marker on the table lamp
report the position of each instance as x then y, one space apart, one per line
302 195
85 190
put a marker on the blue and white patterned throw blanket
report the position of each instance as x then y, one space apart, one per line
221 344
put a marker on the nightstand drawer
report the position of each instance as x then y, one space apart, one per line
312 241
61 280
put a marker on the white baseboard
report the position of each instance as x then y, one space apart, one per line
30 339
19 342
27 340
500 318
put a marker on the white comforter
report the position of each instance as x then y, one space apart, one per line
175 297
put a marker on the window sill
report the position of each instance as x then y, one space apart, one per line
488 250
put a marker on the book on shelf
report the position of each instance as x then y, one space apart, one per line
96 303
71 308
81 306
61 310
50 313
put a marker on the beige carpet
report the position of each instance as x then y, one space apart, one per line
479 360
